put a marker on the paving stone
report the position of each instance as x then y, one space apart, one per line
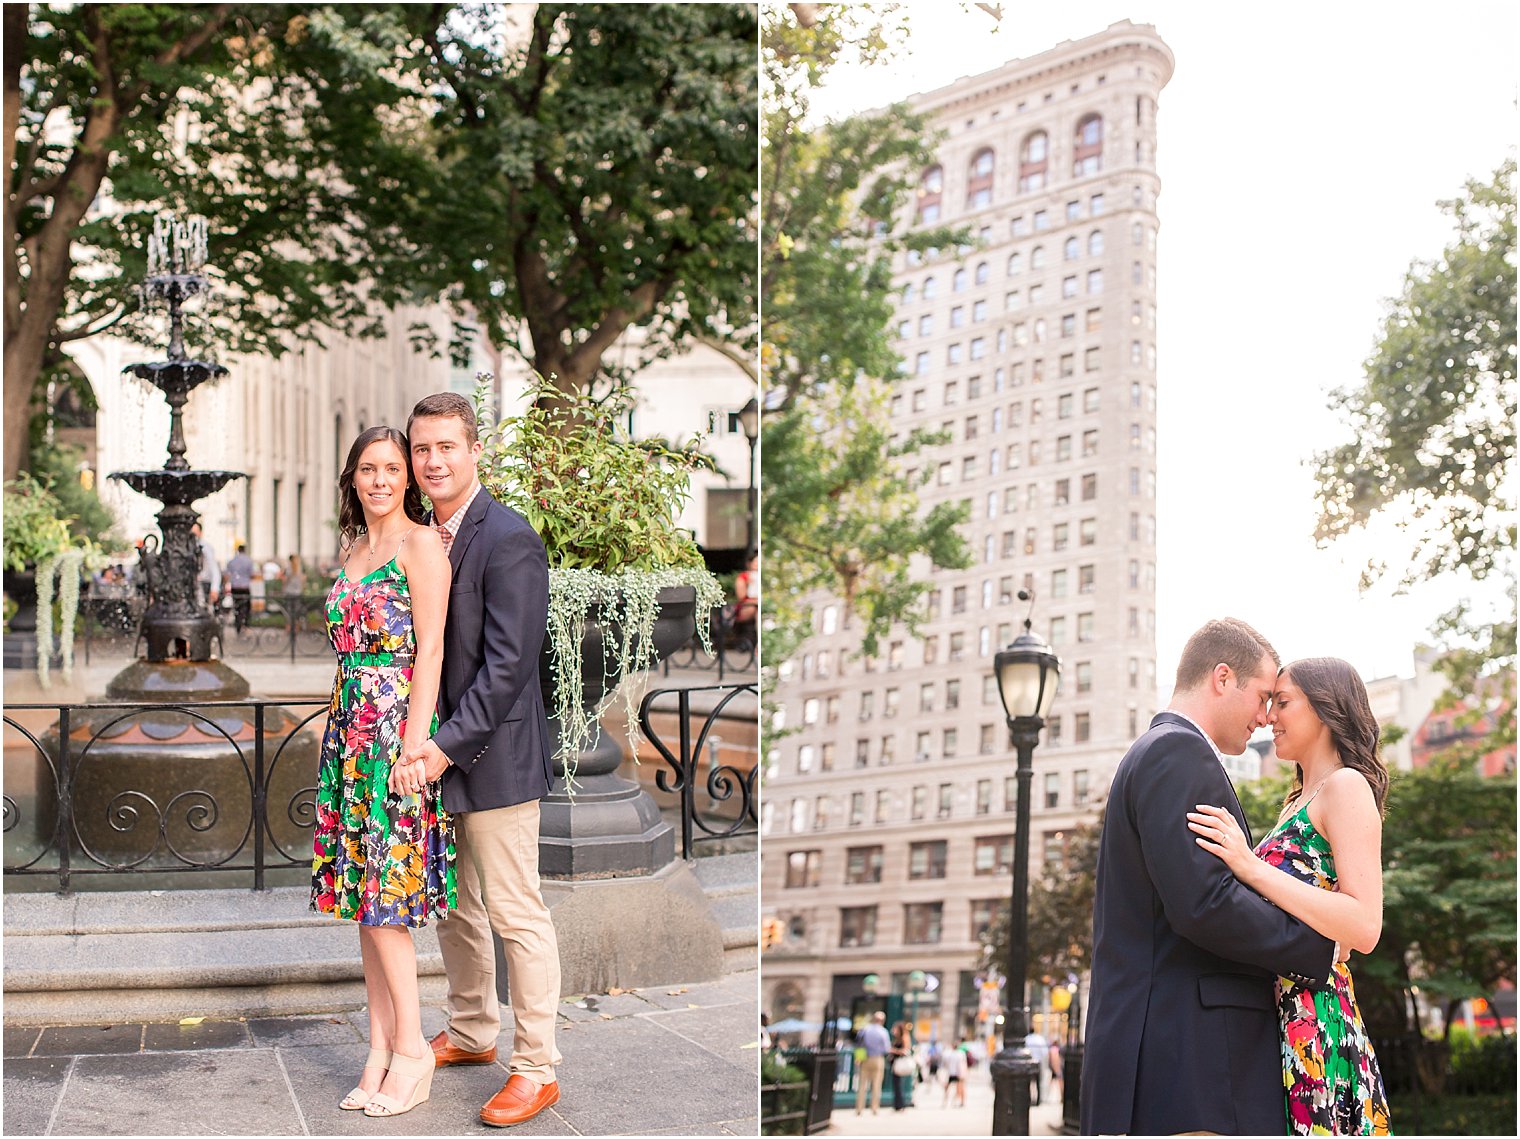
302 1031
321 1077
720 1031
31 1090
186 1037
703 995
89 1040
624 1075
19 1041
602 1007
235 1091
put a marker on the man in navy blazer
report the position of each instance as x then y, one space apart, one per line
492 751
1182 1029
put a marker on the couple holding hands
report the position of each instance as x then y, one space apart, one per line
435 756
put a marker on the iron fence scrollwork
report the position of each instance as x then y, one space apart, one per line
729 788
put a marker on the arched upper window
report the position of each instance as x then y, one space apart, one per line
929 288
979 179
1095 243
931 186
908 293
958 282
981 273
1015 264
1088 155
1072 249
1033 162
1037 257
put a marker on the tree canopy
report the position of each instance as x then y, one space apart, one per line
554 182
1432 425
840 512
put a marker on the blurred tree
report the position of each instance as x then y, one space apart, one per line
840 512
558 183
1433 423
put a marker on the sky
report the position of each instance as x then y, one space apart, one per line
1302 150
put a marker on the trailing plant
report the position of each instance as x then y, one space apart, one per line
37 534
608 509
67 567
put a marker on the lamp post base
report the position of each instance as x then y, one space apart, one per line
1012 1071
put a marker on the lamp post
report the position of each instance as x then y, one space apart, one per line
917 982
1027 674
749 421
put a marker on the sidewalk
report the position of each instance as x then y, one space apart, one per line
928 1117
670 1059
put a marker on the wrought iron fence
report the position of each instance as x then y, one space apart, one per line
730 809
734 648
159 788
293 626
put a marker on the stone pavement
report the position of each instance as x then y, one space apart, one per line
931 1115
667 1060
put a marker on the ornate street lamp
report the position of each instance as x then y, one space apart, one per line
749 422
1028 673
917 982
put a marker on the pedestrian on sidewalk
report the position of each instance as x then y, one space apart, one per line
240 585
877 1043
901 1056
492 751
955 1074
383 850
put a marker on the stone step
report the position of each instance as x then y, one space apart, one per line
157 955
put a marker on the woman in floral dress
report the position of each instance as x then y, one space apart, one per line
383 850
1322 863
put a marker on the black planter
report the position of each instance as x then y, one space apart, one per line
21 587
612 826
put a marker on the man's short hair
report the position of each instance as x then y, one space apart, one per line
441 405
879 1017
1225 640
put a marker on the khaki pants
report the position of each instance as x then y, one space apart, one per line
872 1069
497 876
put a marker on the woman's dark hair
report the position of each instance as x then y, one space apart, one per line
1339 699
350 512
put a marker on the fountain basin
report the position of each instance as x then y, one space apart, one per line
177 487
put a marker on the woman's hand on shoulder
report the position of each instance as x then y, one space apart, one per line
1220 835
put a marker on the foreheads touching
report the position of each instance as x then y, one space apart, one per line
1228 649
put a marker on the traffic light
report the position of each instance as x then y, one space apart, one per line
772 930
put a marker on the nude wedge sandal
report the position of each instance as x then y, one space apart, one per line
382 1106
356 1099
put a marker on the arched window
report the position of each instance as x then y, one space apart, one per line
908 293
1037 257
979 179
929 288
1072 250
1095 243
1015 264
931 186
1088 156
958 282
1034 158
981 273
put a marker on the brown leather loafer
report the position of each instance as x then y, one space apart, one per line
445 1053
518 1102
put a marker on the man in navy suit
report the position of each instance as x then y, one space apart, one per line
492 751
1182 1031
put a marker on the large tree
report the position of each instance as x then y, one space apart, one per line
841 512
559 179
1432 425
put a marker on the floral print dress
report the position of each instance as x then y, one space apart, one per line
1329 1071
378 858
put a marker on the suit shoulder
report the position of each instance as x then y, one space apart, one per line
1163 745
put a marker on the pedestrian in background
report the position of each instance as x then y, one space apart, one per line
876 1042
240 585
210 574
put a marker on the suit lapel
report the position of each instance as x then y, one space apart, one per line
1235 808
472 520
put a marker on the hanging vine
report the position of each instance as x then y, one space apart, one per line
67 568
608 509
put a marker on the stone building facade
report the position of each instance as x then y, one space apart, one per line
889 803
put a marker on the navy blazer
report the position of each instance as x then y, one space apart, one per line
493 727
1182 1030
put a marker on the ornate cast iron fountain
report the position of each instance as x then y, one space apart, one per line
179 626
